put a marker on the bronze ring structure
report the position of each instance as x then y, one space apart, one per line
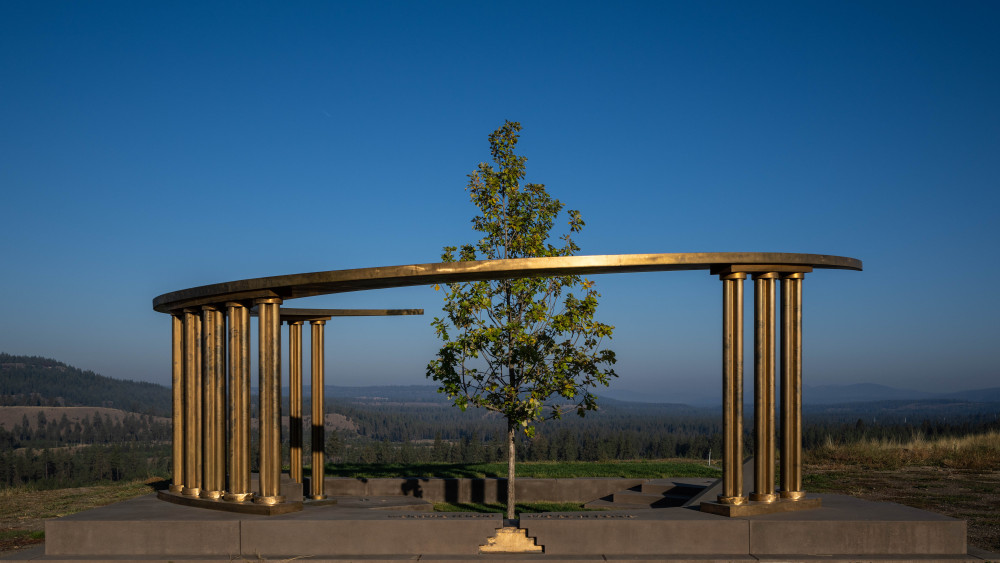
203 477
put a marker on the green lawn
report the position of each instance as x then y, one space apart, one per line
549 470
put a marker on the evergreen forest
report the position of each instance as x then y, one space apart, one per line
402 425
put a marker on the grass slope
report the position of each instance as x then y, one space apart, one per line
23 510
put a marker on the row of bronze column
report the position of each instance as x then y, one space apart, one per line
764 386
295 405
205 353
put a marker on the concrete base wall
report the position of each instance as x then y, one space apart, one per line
147 529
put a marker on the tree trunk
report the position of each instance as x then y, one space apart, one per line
510 471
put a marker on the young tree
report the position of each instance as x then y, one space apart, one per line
526 348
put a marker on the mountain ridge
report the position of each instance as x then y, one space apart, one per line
53 381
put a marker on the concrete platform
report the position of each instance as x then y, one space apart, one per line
845 529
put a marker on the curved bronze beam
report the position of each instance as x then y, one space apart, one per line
342 281
304 315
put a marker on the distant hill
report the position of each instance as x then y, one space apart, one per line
388 394
11 416
858 393
37 381
989 395
871 392
427 396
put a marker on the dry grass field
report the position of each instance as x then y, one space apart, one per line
23 511
958 477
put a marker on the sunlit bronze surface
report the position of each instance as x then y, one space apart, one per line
342 281
238 487
177 385
791 387
295 399
192 403
289 314
756 508
763 352
269 366
213 403
318 442
732 389
201 446
273 509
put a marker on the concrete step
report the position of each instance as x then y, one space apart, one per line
654 493
671 488
608 505
635 497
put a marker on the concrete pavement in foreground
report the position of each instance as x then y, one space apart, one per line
373 529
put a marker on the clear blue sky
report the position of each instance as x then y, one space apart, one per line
147 147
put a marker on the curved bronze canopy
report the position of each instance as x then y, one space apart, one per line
202 359
341 281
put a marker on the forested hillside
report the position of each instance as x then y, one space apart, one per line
54 445
36 381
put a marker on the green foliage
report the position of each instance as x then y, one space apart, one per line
93 429
511 345
57 468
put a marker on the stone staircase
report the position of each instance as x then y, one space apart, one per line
654 493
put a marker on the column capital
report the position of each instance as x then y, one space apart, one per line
793 275
758 268
210 307
766 275
236 304
317 322
296 323
267 301
740 276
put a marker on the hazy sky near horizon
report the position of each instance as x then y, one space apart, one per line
147 147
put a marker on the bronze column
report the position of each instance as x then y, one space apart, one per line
295 399
177 387
213 405
192 403
732 388
239 403
269 388
791 386
763 353
316 487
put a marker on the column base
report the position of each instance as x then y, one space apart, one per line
763 497
269 501
238 497
210 495
755 508
237 507
732 500
792 495
176 489
322 500
191 491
